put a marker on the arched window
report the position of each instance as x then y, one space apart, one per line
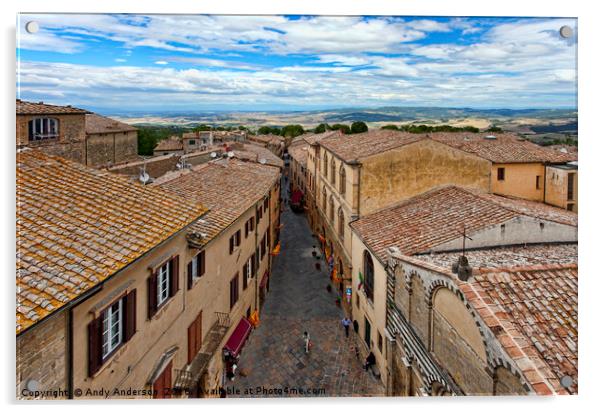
333 171
342 180
331 209
368 276
41 129
341 223
324 199
325 165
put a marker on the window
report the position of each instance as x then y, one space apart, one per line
570 190
368 276
341 223
263 246
537 182
333 171
367 332
233 291
324 199
325 165
501 174
41 129
570 207
266 203
191 142
196 268
195 337
331 209
380 342
234 241
113 327
342 180
162 284
247 272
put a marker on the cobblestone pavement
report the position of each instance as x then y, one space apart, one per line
298 301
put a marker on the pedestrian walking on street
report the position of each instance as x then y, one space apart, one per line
306 342
346 323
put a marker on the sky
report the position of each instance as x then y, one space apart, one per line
124 63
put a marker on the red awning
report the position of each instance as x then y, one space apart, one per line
296 196
264 280
238 337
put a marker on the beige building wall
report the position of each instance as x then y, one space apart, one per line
70 143
398 174
520 180
557 187
374 311
111 148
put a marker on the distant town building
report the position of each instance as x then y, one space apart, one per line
109 142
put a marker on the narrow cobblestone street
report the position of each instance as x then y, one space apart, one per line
298 301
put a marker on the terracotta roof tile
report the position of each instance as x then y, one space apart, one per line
173 143
421 223
535 309
299 154
504 148
100 124
77 226
41 108
256 153
228 187
362 145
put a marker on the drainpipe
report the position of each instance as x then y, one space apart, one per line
69 349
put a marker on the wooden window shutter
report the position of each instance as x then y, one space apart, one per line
191 342
152 295
231 244
237 238
175 276
245 269
130 315
201 264
253 264
189 273
94 345
199 331
246 229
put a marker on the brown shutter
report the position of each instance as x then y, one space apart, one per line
191 342
237 238
244 276
152 295
246 229
189 272
231 244
130 315
94 345
253 264
202 262
174 276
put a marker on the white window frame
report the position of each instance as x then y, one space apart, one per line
112 328
249 273
163 283
52 126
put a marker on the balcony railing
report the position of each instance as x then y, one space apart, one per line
188 378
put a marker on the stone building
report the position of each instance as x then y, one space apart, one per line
109 142
75 134
55 130
415 356
298 167
175 281
561 186
254 152
170 146
274 143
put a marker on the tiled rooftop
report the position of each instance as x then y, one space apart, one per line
228 187
41 108
170 144
502 147
299 154
362 145
100 124
438 216
533 313
256 153
508 256
313 138
77 226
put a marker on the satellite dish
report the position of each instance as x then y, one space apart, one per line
213 154
230 154
262 161
144 177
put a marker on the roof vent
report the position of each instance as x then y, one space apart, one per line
490 137
262 161
563 150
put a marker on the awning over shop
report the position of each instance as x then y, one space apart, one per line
296 196
238 337
264 280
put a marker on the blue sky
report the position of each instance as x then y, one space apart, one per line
120 63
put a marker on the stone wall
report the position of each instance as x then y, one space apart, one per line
70 142
41 357
111 148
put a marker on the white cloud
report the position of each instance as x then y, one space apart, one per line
161 62
119 60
